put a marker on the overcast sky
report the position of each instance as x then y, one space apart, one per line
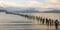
30 3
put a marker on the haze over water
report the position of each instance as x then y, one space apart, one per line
15 22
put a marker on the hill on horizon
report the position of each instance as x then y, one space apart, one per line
31 10
52 11
1 10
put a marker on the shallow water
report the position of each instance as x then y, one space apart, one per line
15 22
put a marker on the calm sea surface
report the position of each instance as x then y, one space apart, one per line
15 22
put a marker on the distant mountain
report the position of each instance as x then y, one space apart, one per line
55 11
29 10
20 10
1 10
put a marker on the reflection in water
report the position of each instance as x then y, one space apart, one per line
25 26
14 22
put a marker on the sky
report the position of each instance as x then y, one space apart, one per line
31 3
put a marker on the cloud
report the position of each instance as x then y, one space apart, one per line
6 4
54 1
31 3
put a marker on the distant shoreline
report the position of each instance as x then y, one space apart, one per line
49 12
39 12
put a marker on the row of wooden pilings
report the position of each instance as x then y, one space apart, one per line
44 21
41 20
